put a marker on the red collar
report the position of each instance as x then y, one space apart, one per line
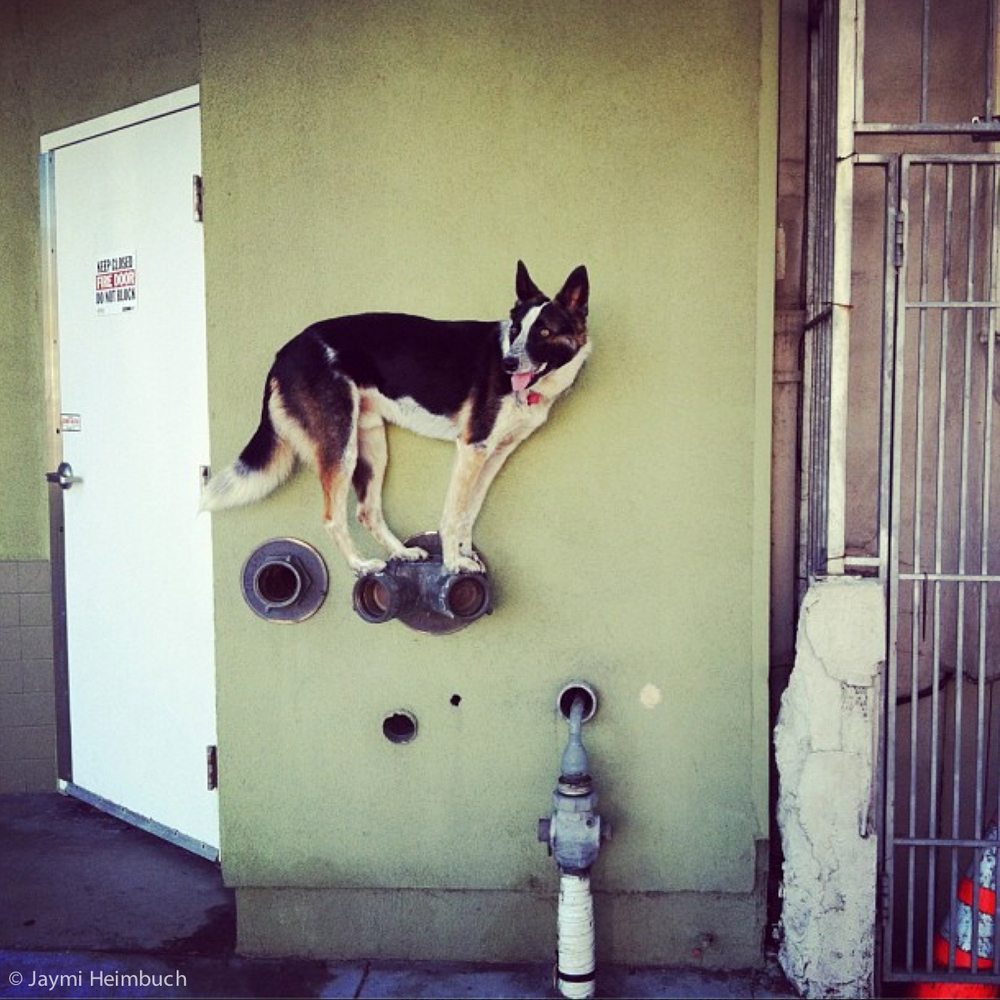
534 398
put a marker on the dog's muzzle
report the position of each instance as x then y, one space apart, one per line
522 378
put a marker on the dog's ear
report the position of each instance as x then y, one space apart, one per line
575 293
526 289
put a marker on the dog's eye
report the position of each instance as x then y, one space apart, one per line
515 329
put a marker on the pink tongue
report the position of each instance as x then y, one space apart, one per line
521 380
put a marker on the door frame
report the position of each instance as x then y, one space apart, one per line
167 104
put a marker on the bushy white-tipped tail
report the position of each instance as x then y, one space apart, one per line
239 484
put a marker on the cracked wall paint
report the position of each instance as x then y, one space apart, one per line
824 743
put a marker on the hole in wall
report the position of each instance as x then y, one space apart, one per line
574 690
278 584
399 727
456 700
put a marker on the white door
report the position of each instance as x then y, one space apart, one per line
132 394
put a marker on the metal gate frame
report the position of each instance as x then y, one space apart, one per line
939 839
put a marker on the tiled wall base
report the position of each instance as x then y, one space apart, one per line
27 703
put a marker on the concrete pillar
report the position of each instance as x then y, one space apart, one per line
825 748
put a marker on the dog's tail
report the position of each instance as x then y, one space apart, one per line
264 464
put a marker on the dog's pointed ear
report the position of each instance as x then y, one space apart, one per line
575 294
525 288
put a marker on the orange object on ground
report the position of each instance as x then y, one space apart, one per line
954 944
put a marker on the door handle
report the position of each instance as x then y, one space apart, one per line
63 476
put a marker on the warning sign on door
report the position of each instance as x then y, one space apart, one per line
115 290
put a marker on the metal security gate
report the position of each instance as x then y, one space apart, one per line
942 741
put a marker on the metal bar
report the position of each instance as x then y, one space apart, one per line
981 130
925 56
953 305
860 20
967 403
982 747
951 577
918 482
955 843
961 624
939 529
918 475
890 317
862 562
812 498
840 332
894 445
990 38
953 158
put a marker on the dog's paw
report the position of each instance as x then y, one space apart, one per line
363 567
412 553
465 564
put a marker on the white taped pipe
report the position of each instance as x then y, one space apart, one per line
575 974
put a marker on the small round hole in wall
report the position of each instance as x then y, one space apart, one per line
573 690
456 700
399 727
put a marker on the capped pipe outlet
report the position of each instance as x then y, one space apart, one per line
422 593
285 581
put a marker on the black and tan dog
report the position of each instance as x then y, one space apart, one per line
484 385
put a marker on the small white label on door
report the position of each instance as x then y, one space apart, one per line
70 423
115 284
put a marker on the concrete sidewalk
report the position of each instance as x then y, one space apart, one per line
95 974
93 907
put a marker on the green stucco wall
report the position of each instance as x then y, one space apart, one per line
403 156
377 155
61 62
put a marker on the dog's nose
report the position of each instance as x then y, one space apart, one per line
510 364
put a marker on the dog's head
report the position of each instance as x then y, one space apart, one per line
544 334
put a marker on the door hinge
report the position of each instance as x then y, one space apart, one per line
198 197
212 767
899 247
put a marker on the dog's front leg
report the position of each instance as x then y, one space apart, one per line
460 509
488 473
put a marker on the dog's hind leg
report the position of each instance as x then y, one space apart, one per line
336 457
369 475
336 481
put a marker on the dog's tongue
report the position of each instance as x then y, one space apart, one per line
521 381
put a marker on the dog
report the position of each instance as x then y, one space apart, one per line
484 385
